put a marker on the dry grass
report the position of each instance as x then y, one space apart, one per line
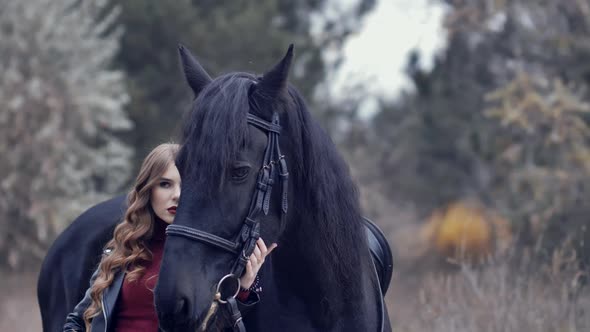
498 297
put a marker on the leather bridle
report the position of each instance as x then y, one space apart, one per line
245 241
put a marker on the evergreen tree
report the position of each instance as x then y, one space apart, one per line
225 36
61 109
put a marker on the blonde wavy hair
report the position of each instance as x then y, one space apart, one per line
129 243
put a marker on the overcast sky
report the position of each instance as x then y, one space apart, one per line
378 54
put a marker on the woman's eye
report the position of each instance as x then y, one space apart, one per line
165 184
239 173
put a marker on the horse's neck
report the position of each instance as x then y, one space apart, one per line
287 299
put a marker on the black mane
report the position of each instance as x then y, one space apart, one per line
325 223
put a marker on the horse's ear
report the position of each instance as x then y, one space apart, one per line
194 73
275 80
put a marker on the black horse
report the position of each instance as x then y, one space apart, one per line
321 278
72 258
239 184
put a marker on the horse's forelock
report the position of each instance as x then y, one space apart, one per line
207 149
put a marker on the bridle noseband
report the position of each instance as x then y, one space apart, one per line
245 241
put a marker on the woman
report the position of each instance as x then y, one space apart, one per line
128 271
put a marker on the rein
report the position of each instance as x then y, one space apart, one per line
245 241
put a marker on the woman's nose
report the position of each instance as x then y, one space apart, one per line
176 193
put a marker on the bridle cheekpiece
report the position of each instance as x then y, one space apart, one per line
244 242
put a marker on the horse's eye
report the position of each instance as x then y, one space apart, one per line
240 173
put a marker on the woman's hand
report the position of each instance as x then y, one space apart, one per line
255 262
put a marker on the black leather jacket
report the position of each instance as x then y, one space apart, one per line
103 322
75 319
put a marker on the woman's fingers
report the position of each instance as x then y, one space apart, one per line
249 268
260 244
254 260
258 253
272 247
263 248
248 278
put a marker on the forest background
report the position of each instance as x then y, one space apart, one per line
477 173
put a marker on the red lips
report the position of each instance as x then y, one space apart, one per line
172 210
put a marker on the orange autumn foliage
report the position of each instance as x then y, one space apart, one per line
464 232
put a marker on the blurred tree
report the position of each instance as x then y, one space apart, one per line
225 36
538 143
523 148
429 140
61 109
543 160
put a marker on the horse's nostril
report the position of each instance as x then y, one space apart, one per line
182 308
176 314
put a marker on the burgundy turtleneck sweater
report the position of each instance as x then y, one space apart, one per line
135 306
136 311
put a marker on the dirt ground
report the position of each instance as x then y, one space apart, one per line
18 303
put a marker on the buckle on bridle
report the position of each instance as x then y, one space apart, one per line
244 257
222 299
219 299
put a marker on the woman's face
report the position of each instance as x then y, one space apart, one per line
165 194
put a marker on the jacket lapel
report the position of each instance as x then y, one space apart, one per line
111 294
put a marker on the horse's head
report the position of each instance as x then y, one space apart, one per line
235 186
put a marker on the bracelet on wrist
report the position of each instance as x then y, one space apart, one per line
255 286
